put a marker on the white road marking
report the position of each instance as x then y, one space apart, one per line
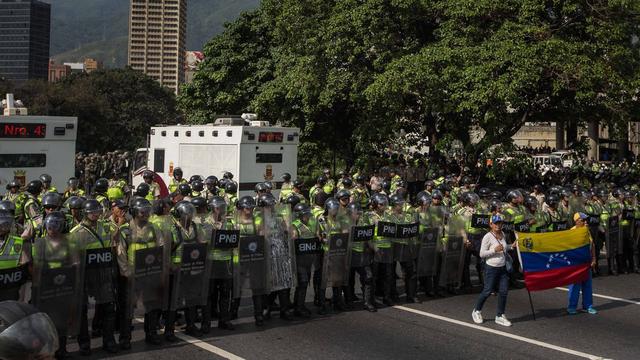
208 347
501 333
607 297
201 344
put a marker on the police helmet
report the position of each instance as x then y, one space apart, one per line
396 200
552 200
379 199
147 174
470 198
218 202
177 172
347 182
385 185
184 211
495 205
12 184
616 192
227 175
101 186
268 185
92 206
565 193
496 195
140 206
354 208
195 178
531 202
75 202
422 198
246 202
34 187
343 194
297 183
9 206
45 178
484 192
575 188
301 210
260 187
6 220
331 205
199 202
52 200
184 189
26 333
537 187
286 177
73 182
466 180
55 222
143 189
292 200
266 200
326 171
437 195
444 188
513 194
231 187
211 181
429 183
321 180
197 185
360 179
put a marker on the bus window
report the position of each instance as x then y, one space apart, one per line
23 160
140 160
158 160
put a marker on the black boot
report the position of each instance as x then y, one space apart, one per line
284 298
369 302
62 353
338 300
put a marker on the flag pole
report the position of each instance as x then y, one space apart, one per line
533 312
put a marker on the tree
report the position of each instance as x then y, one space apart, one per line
497 65
115 108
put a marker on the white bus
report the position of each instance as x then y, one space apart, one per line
251 150
34 145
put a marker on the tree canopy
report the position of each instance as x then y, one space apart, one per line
353 73
115 108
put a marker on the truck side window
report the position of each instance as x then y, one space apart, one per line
158 160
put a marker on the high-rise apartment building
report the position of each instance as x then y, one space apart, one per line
157 39
24 40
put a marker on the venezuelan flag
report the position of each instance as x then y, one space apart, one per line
555 258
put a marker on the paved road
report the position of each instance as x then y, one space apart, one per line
436 329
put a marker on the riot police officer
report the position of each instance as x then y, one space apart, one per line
32 207
287 187
221 281
154 188
361 258
305 236
176 180
75 209
13 255
95 237
73 188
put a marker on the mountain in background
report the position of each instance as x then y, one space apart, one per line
100 28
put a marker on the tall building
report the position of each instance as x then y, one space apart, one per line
24 40
91 65
157 39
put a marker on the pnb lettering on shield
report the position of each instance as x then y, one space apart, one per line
411 230
365 233
228 238
98 258
10 278
307 247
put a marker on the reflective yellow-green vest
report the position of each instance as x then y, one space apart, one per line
10 252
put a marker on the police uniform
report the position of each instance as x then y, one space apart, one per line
12 255
99 237
173 184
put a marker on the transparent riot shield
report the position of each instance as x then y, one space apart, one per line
613 237
385 233
100 264
190 285
148 277
223 249
308 248
58 282
250 268
337 255
11 280
453 254
427 253
361 248
282 259
407 229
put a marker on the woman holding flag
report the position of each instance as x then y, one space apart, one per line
498 264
